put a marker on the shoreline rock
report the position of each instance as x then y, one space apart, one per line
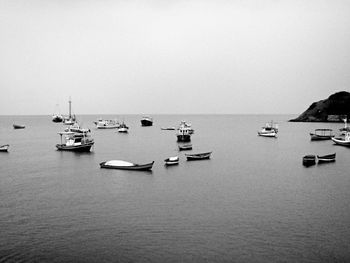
333 109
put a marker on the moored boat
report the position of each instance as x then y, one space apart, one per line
344 141
168 128
123 128
198 156
4 148
107 124
146 121
184 132
18 126
57 118
185 147
269 130
346 129
71 119
124 165
309 160
172 160
76 142
322 134
326 158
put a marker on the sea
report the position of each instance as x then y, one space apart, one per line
252 201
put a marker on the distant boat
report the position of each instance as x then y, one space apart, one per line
184 132
322 134
172 160
168 128
107 124
146 121
76 142
198 156
123 165
269 130
342 141
70 120
185 147
76 128
18 126
309 160
123 128
57 117
4 148
326 158
346 128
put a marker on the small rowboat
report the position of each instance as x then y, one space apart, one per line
172 160
322 134
4 148
326 158
123 165
198 156
309 160
342 141
168 128
18 126
185 147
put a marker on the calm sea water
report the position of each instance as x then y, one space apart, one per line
253 201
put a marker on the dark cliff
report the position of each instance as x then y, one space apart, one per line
335 108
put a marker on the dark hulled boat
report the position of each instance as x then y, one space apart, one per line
309 160
18 126
322 134
146 121
198 156
75 142
123 165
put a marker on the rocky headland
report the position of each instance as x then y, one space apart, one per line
333 109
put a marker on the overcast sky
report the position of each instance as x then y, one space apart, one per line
163 56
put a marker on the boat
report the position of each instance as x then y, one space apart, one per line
269 130
172 160
146 121
70 120
344 141
123 128
346 128
184 132
107 124
4 148
18 126
198 156
75 127
321 134
309 160
124 165
57 117
326 158
168 128
185 147
76 142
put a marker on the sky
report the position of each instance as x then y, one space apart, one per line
171 57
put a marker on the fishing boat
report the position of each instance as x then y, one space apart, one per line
4 148
185 147
70 120
76 128
184 132
172 160
344 141
123 128
321 134
198 156
309 160
269 130
326 158
146 121
18 126
124 165
107 124
76 142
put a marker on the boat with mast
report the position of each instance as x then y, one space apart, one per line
70 120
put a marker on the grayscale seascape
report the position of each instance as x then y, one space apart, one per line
253 201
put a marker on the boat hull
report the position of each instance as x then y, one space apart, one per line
267 134
16 126
309 160
198 156
326 158
316 137
185 147
135 167
86 147
146 123
183 137
4 148
341 141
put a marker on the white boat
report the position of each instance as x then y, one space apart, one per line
344 141
4 148
75 127
107 124
123 128
172 160
346 128
124 165
269 130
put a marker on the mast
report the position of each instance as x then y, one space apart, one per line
70 107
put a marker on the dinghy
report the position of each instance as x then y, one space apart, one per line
124 165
